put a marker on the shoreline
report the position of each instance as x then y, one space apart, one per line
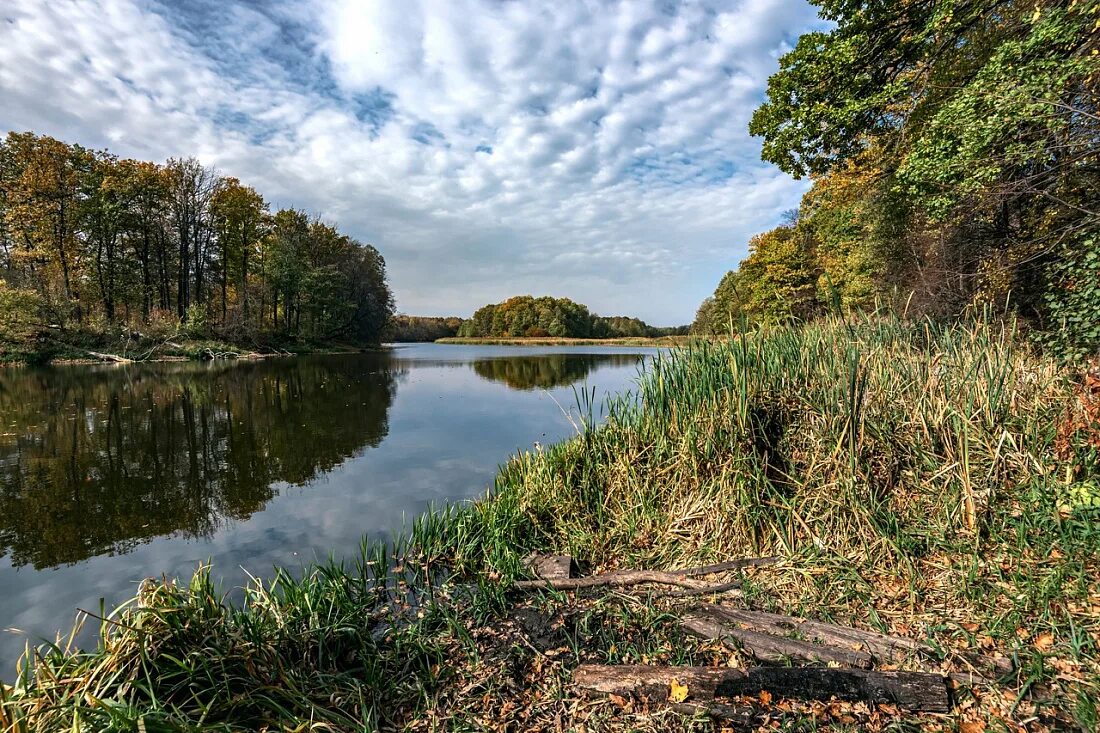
656 341
434 631
85 350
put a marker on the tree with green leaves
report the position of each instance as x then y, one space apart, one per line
955 151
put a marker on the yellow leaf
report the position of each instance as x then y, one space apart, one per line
677 692
1044 641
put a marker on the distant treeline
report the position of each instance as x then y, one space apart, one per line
411 329
90 242
955 159
528 316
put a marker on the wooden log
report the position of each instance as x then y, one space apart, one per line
881 646
770 648
919 691
549 567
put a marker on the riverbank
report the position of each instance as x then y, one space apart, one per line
938 484
84 347
646 341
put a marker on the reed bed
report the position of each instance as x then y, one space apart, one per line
934 481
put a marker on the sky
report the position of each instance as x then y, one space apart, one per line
591 150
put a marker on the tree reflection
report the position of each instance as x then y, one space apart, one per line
96 461
549 370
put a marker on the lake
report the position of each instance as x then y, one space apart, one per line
110 474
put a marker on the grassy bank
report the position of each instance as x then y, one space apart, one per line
554 341
68 347
939 483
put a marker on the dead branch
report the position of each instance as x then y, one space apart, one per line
767 647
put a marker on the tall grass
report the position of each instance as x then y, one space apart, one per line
908 474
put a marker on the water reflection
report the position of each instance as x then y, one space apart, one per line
544 372
96 461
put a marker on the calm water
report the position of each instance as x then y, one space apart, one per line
112 474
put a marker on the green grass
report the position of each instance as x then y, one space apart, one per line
920 479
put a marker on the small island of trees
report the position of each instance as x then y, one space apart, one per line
525 316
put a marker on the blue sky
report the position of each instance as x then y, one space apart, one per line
593 150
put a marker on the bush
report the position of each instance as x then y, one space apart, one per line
1073 302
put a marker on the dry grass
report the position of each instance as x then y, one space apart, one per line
933 482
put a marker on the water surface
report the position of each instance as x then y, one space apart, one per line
111 474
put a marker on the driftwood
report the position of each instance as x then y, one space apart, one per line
110 357
741 623
919 691
683 578
766 647
877 647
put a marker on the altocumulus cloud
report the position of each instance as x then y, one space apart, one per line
585 149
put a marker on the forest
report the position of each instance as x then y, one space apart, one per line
525 316
91 243
411 329
954 154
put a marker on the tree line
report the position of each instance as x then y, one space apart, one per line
525 316
90 241
954 149
411 329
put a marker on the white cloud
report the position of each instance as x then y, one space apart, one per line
573 148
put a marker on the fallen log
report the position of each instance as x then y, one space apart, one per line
881 647
767 647
918 691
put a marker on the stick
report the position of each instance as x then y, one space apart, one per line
909 690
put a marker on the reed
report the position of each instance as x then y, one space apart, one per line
936 481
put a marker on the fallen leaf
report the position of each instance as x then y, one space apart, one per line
972 726
765 697
677 692
1044 641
